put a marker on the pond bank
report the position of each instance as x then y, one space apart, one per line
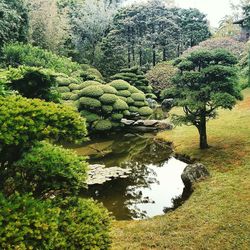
216 216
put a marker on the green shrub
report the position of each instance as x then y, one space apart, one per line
138 97
88 83
133 89
46 167
74 97
76 92
126 113
145 111
117 116
92 91
102 125
109 89
67 96
108 98
123 98
63 89
133 109
140 104
107 108
89 102
120 105
74 86
151 96
130 101
65 80
116 124
120 84
124 93
90 117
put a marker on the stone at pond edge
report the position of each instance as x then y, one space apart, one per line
193 173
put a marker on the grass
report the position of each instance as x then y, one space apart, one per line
217 215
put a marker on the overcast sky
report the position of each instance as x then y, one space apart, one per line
215 9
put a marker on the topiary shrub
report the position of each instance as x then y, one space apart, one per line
109 89
46 167
126 113
133 89
90 117
123 98
108 98
120 85
124 93
117 116
138 97
63 89
120 105
107 109
130 101
67 96
74 97
91 91
74 86
145 111
88 83
140 104
133 109
89 102
102 125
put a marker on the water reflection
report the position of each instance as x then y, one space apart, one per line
153 183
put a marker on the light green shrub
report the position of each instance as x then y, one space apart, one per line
138 97
124 93
102 125
88 83
89 102
117 116
67 96
106 108
74 97
108 98
63 89
133 89
133 109
151 96
120 105
123 98
130 101
74 86
89 116
120 84
145 111
140 104
91 91
126 113
109 89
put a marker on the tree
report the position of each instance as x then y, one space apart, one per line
13 21
205 82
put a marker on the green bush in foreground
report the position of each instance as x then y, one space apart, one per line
28 223
103 125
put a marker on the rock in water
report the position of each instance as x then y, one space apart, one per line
193 173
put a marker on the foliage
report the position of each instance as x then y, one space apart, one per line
209 85
230 44
89 103
160 77
27 223
145 111
92 91
13 21
120 84
48 168
102 125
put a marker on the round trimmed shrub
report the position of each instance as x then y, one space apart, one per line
130 100
108 98
133 89
63 89
116 124
107 108
138 97
102 125
151 96
126 113
66 95
145 111
124 93
88 83
90 117
120 105
74 97
66 81
74 86
91 91
75 91
140 104
133 109
117 116
109 89
123 98
120 84
89 102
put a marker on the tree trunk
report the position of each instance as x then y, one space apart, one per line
203 133
154 55
140 55
164 54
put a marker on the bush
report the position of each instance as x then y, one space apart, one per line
140 104
133 89
138 97
126 113
88 83
102 125
133 109
145 111
160 76
109 89
90 117
124 93
67 96
89 102
120 85
108 98
46 167
130 101
120 105
106 108
63 89
64 80
92 91
74 86
117 116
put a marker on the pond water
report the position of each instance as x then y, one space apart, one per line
154 182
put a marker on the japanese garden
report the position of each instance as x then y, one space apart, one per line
124 124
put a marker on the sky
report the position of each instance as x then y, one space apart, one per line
214 9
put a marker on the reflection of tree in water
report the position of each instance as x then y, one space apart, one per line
135 153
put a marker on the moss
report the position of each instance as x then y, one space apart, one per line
133 109
124 93
102 125
120 105
90 117
120 84
74 86
109 89
138 97
107 108
63 89
145 111
140 104
108 98
89 102
92 91
117 116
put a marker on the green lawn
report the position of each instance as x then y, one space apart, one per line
217 216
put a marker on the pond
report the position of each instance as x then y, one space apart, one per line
154 181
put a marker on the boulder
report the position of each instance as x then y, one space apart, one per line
167 104
193 173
